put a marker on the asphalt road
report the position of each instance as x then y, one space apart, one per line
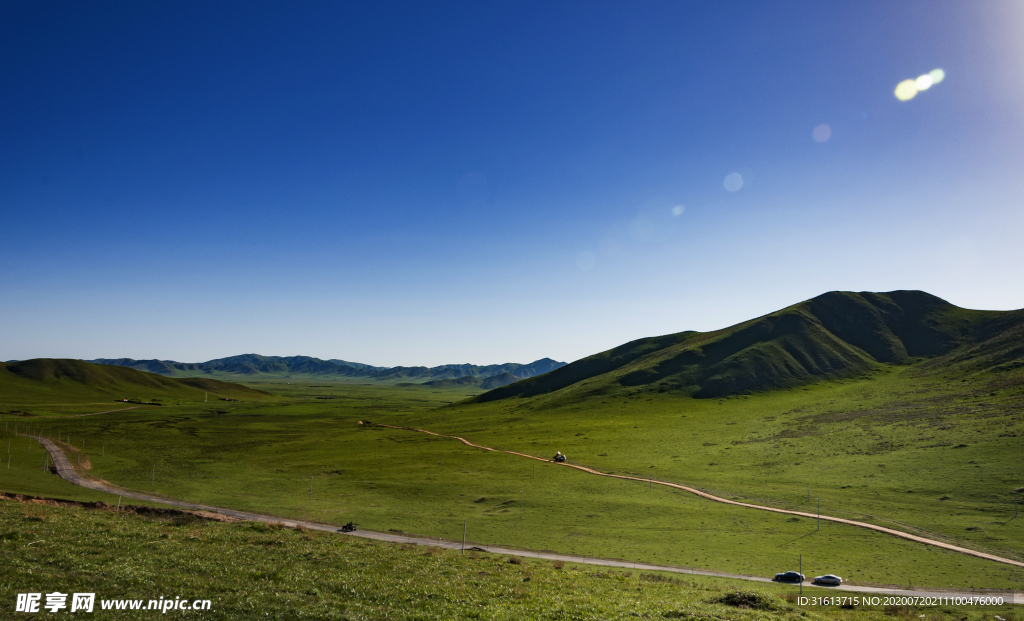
67 472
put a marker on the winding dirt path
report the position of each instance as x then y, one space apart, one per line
697 492
67 472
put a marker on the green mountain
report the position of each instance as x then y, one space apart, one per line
48 380
838 334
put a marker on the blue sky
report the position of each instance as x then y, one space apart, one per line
488 182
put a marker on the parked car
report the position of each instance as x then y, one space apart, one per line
828 580
790 576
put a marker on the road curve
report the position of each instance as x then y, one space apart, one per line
67 472
697 492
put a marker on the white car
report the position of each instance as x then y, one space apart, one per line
829 580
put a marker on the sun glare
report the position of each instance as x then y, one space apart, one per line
908 89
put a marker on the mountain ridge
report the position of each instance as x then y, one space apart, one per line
834 335
255 364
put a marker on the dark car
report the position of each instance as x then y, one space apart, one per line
790 576
828 580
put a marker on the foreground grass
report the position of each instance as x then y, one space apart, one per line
885 449
257 571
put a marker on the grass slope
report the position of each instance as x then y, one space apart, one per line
835 335
45 380
251 570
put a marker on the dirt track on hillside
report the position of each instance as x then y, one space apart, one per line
697 492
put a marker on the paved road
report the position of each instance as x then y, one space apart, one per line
697 492
67 472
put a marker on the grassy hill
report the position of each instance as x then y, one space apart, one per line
45 380
835 335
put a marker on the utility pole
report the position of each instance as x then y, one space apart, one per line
464 535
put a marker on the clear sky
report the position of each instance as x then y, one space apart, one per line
485 182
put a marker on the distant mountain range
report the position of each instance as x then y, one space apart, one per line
254 364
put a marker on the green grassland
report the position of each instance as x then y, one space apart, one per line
262 456
903 447
252 570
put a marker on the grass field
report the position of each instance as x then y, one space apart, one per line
883 448
251 570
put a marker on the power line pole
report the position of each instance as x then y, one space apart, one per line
464 522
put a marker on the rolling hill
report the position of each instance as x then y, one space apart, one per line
837 334
253 364
47 380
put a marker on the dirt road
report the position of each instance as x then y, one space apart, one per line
697 492
67 472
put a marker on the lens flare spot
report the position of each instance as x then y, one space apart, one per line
678 210
924 82
821 133
906 90
586 260
937 76
733 182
